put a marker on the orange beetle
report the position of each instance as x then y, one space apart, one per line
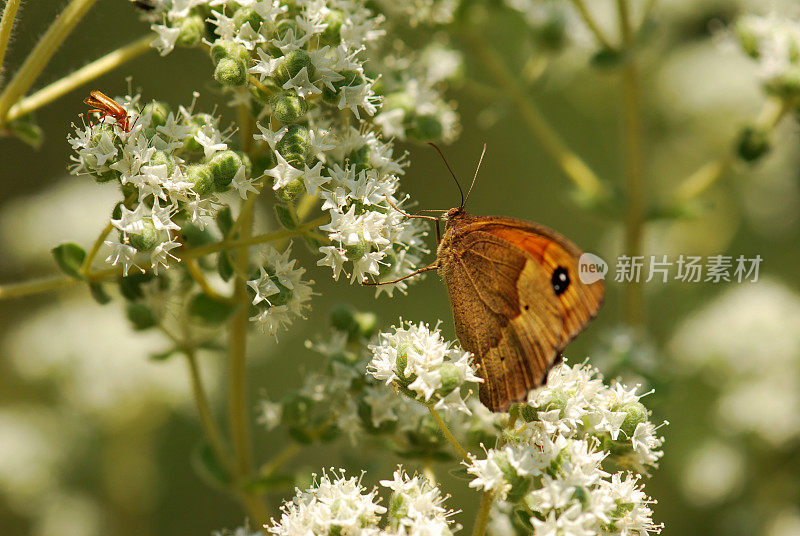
106 106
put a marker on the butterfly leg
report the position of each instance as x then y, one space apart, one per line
432 266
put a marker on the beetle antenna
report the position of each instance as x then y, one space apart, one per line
460 191
480 161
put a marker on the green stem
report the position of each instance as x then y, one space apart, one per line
26 288
570 163
583 11
98 243
709 173
634 165
448 434
41 54
204 409
482 518
291 450
6 25
88 72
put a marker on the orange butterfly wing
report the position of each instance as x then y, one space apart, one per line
509 307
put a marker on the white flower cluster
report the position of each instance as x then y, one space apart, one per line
416 361
577 403
279 292
337 504
553 463
163 191
774 41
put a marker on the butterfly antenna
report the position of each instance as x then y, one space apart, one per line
460 191
476 172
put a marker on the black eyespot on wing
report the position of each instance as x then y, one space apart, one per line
560 280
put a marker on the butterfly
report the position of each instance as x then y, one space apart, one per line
516 297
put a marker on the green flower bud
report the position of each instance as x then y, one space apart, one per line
201 177
223 49
294 145
283 27
159 112
351 78
264 162
247 16
230 72
293 63
528 413
753 144
450 378
333 32
748 40
291 191
288 107
223 166
197 122
550 34
367 324
356 252
343 318
635 414
787 85
426 128
147 239
161 158
193 29
246 162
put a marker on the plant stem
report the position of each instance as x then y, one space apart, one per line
291 450
98 243
583 11
41 54
448 434
571 164
88 72
709 173
6 25
26 288
200 278
634 166
204 409
482 519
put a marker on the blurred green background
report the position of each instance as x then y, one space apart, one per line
94 438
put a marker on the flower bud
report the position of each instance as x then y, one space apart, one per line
283 27
231 72
147 239
288 107
223 166
355 252
158 112
264 162
160 158
197 122
333 32
747 39
224 49
294 145
426 128
291 191
635 414
247 16
351 78
787 84
450 378
342 318
201 177
193 30
753 144
367 324
293 63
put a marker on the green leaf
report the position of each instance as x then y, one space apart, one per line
286 217
224 266
140 316
69 258
266 484
224 220
206 309
163 356
99 293
26 130
461 473
130 286
209 467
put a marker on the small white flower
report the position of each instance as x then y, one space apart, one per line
165 39
283 172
